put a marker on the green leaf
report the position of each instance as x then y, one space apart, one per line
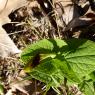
53 71
45 47
73 59
88 89
80 55
1 89
92 76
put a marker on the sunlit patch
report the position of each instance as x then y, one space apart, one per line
46 4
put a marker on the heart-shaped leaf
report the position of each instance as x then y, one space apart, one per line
72 59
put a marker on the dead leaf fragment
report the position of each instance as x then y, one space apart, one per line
7 46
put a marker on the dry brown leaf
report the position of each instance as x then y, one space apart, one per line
70 10
6 44
19 84
6 7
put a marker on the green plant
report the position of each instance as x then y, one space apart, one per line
54 60
1 89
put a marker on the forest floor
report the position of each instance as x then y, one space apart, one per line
30 25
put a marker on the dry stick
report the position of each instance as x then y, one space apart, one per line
65 85
48 10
